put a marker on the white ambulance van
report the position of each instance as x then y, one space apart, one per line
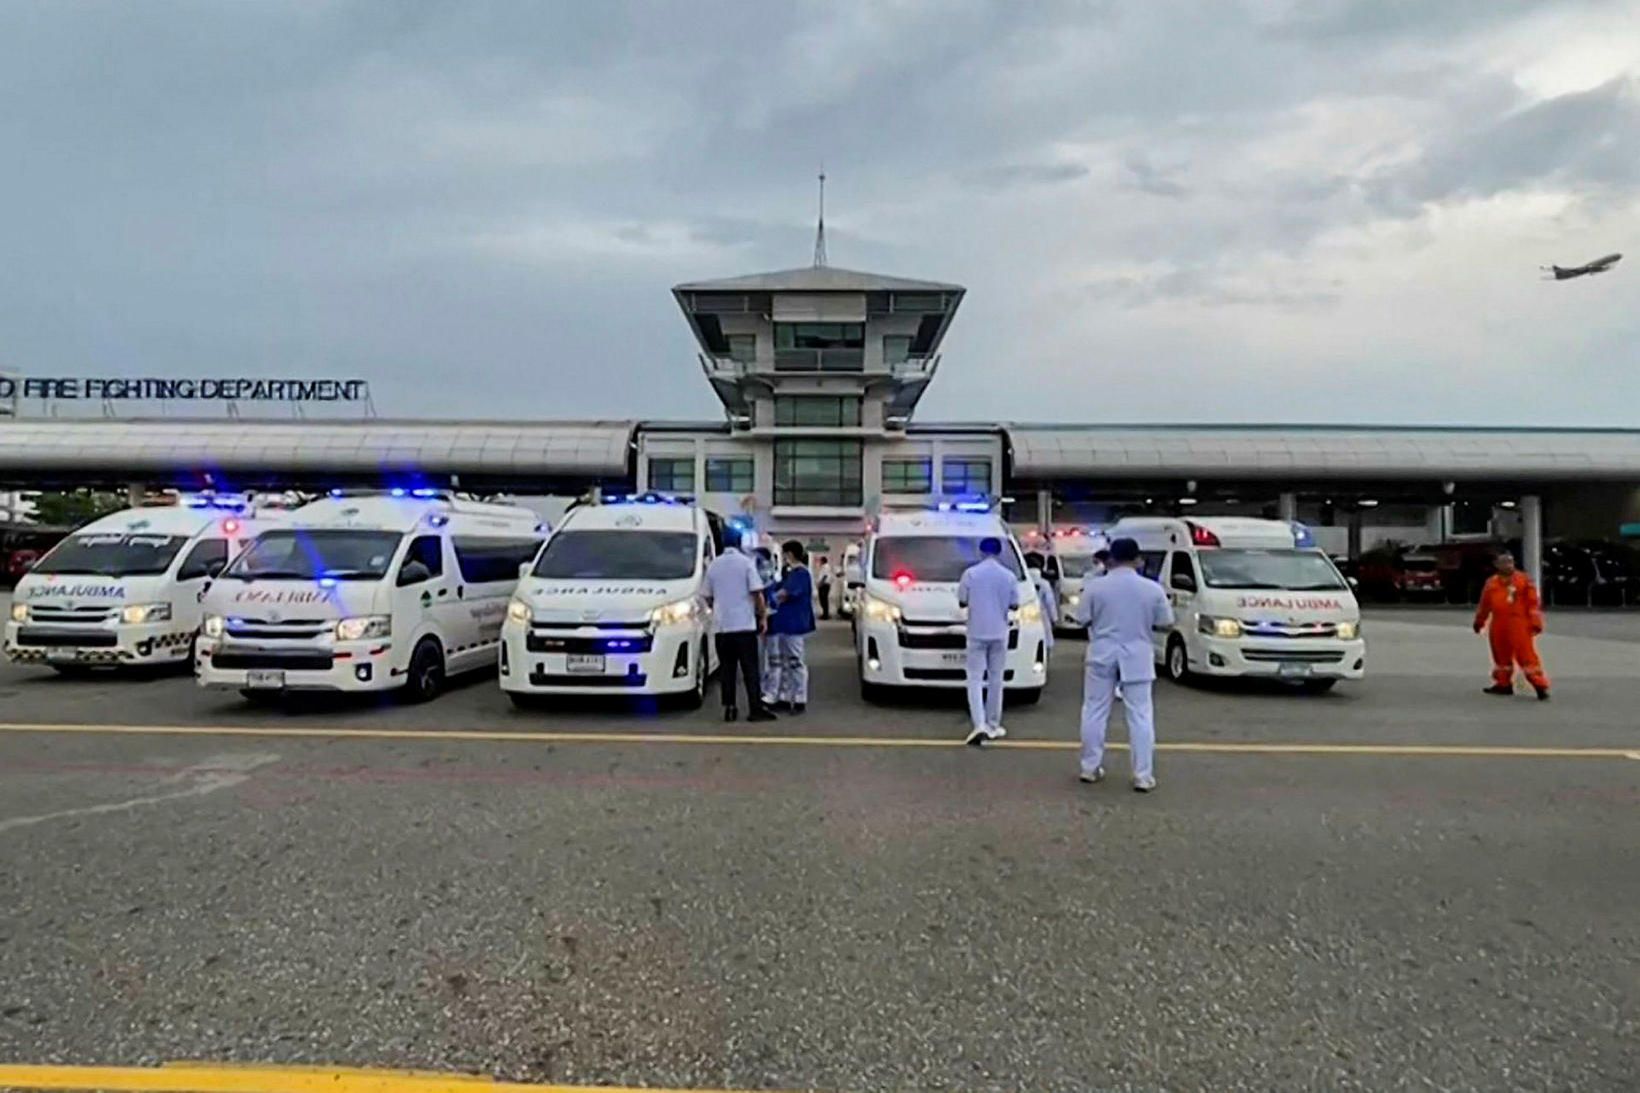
613 605
367 591
911 632
125 590
1070 562
1251 598
854 581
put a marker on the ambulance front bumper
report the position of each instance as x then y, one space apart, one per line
593 660
896 656
1285 659
108 644
228 665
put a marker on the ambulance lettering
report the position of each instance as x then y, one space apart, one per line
1297 603
288 595
77 592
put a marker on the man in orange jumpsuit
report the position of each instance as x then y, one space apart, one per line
1510 602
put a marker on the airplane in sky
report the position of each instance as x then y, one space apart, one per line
1599 265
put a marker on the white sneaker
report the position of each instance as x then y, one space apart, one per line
1096 777
1143 785
978 736
996 732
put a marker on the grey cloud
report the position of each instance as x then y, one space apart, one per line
1205 287
1014 175
1585 139
1148 178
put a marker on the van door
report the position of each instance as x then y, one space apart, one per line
425 600
1183 587
204 560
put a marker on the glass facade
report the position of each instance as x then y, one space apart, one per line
816 410
908 476
729 474
818 472
672 475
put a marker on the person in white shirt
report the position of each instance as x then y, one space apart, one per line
1121 609
989 592
1049 602
735 591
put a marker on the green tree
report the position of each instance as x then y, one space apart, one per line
75 507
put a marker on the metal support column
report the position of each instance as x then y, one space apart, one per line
1044 511
1287 505
1354 549
1531 537
134 493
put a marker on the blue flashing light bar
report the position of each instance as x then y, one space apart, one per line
1302 535
653 498
397 491
964 504
424 492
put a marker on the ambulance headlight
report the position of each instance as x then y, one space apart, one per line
1073 599
1030 613
518 611
365 626
1349 631
212 626
674 614
19 612
1219 628
881 610
136 614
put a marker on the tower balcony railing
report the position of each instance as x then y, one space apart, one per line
820 360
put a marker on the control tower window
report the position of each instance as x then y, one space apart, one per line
672 475
816 411
966 475
819 347
818 472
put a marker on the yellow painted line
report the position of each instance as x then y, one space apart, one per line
1206 747
228 1078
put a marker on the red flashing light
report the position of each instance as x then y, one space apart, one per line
230 525
903 579
1200 536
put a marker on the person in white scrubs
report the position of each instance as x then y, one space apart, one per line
990 593
1121 609
1049 602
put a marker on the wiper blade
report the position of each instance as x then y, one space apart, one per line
352 574
275 575
1317 588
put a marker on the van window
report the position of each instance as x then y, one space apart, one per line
1150 563
1182 564
618 555
429 551
1290 570
483 559
198 562
114 554
939 558
342 554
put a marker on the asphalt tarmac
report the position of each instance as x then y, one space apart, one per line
843 901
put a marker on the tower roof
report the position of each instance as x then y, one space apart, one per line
817 279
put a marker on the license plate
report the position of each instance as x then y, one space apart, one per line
955 660
61 656
585 663
258 681
1293 670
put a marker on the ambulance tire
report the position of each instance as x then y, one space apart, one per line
72 671
1317 686
425 679
530 703
1177 661
695 697
261 698
1028 697
875 693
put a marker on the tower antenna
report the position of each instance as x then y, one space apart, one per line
820 229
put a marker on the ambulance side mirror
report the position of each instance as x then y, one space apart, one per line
524 569
1354 582
1184 582
414 572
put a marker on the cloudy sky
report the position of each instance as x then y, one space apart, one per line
1270 210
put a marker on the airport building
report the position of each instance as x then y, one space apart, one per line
819 371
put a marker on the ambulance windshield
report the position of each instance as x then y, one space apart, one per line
1289 570
619 555
1075 565
935 558
311 553
112 555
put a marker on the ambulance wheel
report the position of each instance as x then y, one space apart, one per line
528 702
1026 698
1177 663
875 693
426 677
261 698
71 671
1317 686
695 697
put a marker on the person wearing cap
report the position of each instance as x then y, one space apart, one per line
1121 610
990 593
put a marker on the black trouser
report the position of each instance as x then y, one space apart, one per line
825 601
737 653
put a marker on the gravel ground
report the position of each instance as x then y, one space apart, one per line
761 917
